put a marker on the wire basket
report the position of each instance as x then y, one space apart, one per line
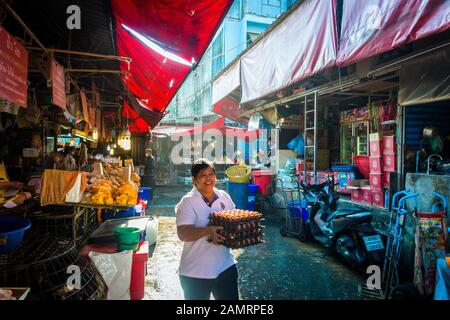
41 264
239 174
62 222
363 164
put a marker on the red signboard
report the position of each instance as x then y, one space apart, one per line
58 84
85 106
372 27
13 69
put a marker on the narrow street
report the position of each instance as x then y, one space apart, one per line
279 269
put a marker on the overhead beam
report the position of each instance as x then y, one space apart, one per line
86 54
93 71
20 21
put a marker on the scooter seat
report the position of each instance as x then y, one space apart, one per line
343 222
346 212
359 215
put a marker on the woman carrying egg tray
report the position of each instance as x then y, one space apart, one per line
242 228
206 266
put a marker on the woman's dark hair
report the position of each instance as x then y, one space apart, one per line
201 164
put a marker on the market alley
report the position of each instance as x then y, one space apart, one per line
280 268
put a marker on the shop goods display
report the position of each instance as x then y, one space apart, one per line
109 187
241 228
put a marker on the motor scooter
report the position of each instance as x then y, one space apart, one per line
348 231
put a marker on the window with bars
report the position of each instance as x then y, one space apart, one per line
217 54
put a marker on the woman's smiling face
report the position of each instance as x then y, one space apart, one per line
205 180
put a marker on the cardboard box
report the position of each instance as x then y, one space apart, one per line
30 152
376 181
375 148
356 194
98 168
386 180
390 163
127 173
366 195
378 198
359 182
377 136
376 164
389 146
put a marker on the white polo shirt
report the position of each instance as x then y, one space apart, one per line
200 258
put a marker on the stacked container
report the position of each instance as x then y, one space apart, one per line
382 163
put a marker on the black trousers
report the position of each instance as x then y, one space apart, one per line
224 287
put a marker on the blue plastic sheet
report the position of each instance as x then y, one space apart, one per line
297 144
442 285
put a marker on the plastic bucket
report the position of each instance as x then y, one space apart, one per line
297 209
239 194
263 178
12 230
128 238
252 191
145 193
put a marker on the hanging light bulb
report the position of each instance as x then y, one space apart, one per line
126 142
111 152
108 147
95 134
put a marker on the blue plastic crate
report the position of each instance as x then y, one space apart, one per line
348 168
131 212
296 210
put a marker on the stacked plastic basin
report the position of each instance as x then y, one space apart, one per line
262 178
145 193
239 193
252 191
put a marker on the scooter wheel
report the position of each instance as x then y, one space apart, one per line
405 292
283 232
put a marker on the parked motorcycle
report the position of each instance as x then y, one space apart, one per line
348 231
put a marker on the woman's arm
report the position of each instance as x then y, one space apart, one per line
188 233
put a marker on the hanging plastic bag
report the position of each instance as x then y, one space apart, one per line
115 269
297 144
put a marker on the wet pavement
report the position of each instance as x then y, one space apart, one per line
282 268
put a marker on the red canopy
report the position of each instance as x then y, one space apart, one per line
219 124
372 27
182 29
140 120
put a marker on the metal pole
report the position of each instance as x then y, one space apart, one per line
315 137
93 70
11 11
305 141
87 54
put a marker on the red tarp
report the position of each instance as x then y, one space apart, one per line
372 27
219 124
140 119
184 28
303 44
229 108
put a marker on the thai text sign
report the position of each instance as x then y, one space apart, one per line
13 69
58 85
